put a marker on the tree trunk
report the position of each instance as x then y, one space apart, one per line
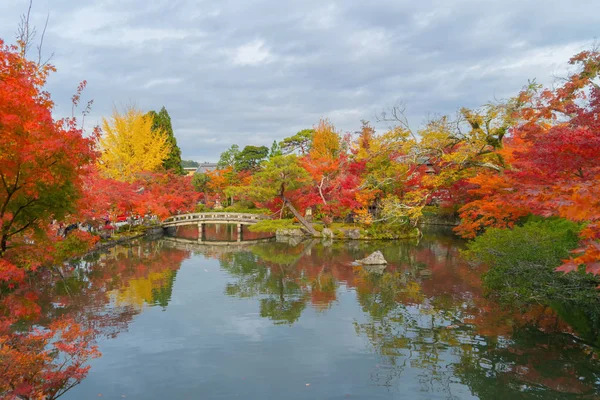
300 218
3 244
320 186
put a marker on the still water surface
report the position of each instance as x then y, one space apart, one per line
297 321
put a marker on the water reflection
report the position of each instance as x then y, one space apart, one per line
217 233
106 290
421 328
426 312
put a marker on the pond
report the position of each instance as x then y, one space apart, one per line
181 320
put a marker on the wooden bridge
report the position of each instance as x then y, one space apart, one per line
213 218
201 219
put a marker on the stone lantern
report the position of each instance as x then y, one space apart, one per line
308 214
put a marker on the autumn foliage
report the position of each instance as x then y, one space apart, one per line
535 154
49 177
554 156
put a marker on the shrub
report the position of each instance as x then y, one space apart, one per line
272 225
522 263
318 227
201 208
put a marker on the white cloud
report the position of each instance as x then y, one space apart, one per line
252 53
322 18
370 42
253 72
165 81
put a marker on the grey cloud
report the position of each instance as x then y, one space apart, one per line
252 72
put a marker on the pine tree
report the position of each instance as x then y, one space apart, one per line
162 121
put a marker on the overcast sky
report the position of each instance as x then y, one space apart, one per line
250 72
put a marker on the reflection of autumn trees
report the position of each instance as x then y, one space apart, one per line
98 296
276 280
217 233
426 312
530 365
440 324
132 277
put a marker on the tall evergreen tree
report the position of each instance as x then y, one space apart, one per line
162 120
275 150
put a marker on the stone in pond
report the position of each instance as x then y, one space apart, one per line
352 234
327 233
374 259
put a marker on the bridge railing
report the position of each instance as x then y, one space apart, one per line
198 217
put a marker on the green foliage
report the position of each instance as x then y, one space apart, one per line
189 164
275 150
300 142
280 174
250 158
72 246
272 225
522 263
228 157
200 182
131 228
318 227
378 231
246 207
162 120
443 212
201 208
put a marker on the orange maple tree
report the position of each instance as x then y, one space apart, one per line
41 178
554 153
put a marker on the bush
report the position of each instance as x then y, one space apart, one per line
236 209
272 225
522 263
201 208
318 227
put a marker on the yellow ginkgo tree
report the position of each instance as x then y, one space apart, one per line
129 145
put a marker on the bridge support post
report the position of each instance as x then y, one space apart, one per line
200 232
239 232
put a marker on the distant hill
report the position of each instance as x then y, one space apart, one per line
189 164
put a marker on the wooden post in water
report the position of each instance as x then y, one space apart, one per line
200 232
239 232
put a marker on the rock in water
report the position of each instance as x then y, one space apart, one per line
352 234
289 232
374 259
327 233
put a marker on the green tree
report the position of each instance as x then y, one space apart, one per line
228 157
200 182
162 121
275 150
300 142
250 158
279 176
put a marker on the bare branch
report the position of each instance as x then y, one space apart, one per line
396 114
39 47
25 34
